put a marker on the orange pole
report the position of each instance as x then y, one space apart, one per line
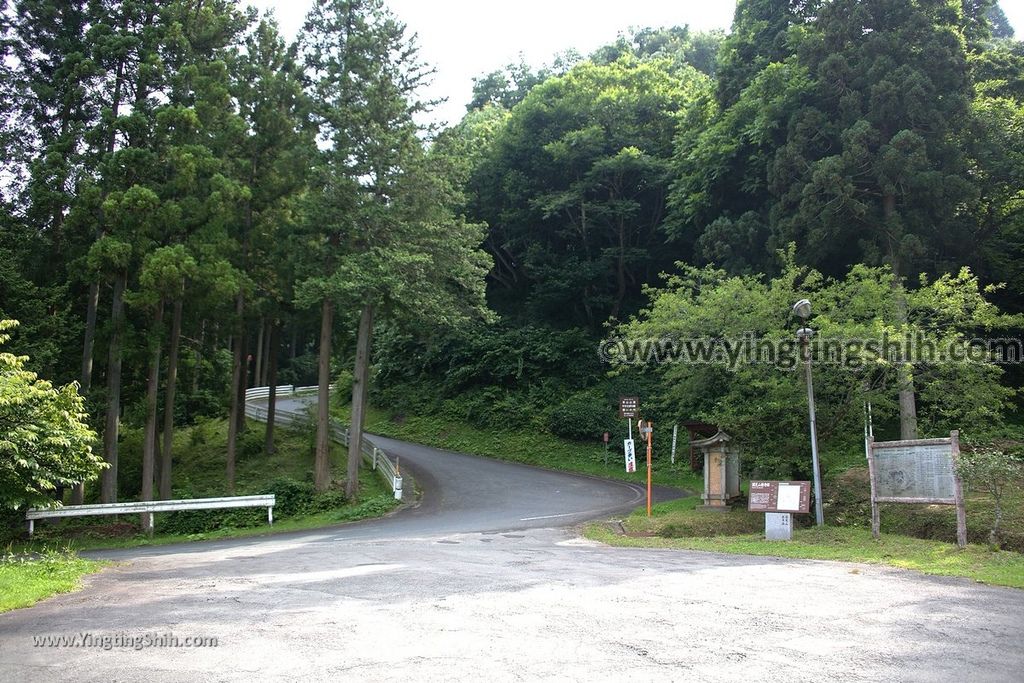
650 434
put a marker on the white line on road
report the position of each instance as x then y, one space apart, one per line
567 514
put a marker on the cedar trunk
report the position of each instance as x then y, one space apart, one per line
905 373
108 487
323 427
152 393
360 382
257 374
172 385
91 306
268 445
236 404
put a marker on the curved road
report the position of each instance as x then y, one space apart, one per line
484 580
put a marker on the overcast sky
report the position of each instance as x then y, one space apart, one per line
467 38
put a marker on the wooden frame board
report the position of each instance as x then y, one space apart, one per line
917 471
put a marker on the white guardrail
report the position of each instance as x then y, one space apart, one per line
374 456
150 506
287 418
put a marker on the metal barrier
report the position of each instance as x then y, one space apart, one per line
375 457
151 506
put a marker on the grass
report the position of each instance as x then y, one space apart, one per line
847 502
530 447
678 525
199 471
24 580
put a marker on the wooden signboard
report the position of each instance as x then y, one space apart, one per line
779 496
629 407
917 471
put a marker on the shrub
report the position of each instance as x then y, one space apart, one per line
584 416
995 472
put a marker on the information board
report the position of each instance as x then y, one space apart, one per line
629 407
779 496
916 471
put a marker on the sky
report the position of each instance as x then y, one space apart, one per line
467 38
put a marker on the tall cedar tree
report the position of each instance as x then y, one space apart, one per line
389 243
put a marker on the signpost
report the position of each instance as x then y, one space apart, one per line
630 455
606 435
629 408
647 429
916 471
779 500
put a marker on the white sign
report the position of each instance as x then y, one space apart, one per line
630 455
789 498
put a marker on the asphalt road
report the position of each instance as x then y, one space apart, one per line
486 580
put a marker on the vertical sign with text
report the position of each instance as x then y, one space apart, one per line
630 455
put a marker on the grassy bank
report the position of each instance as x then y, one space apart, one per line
677 524
530 447
199 472
25 581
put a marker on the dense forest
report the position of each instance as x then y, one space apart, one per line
192 204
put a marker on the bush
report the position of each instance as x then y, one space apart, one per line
302 371
291 499
294 498
707 524
129 463
250 444
491 407
584 416
342 394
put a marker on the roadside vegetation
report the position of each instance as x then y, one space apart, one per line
677 525
287 473
25 580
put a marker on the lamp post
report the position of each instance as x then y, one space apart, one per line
802 309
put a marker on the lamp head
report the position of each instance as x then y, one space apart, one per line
802 308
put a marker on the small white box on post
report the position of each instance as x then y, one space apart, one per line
397 485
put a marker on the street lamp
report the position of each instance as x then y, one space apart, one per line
802 309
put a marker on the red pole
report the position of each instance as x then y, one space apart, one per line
650 433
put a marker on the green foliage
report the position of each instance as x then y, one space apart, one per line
995 472
26 580
584 416
573 189
761 401
45 441
187 151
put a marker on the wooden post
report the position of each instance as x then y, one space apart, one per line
875 520
958 492
650 434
